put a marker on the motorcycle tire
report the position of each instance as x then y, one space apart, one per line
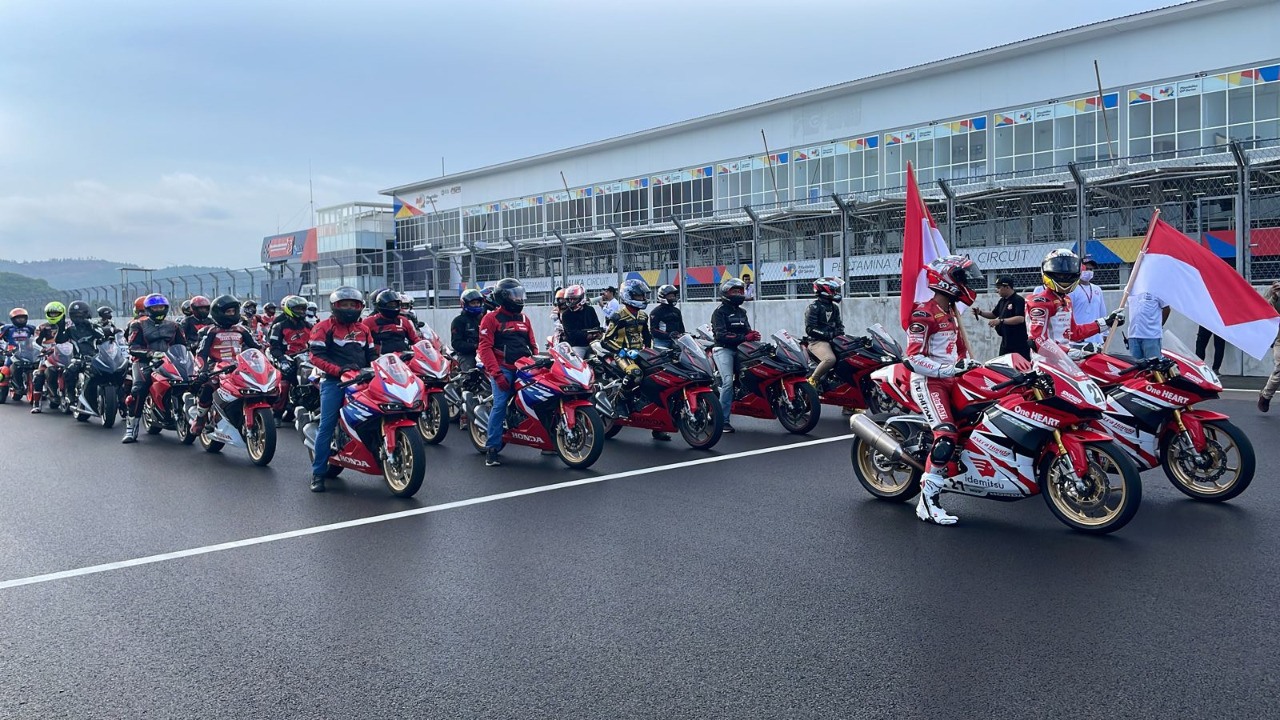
1216 431
330 470
404 471
210 445
4 394
1130 491
587 450
150 416
874 472
802 422
261 451
433 423
479 438
107 407
708 407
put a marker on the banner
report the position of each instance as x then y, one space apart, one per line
288 247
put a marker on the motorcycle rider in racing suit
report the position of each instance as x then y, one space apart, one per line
151 333
628 333
464 331
341 346
391 330
195 322
85 336
936 354
17 331
55 315
506 336
1049 315
219 343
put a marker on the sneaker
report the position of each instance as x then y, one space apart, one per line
927 508
1264 404
491 459
659 435
728 429
317 483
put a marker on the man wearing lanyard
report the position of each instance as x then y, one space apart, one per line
1087 302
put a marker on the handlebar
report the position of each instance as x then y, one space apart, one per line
362 377
1019 379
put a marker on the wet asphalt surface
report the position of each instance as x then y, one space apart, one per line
763 586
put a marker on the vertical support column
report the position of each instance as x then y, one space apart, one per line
951 213
1244 246
755 234
680 258
618 238
845 209
1082 214
564 258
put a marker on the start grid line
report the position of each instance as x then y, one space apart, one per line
387 517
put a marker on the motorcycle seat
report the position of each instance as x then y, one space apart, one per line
970 412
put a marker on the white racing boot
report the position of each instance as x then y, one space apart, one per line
927 508
130 430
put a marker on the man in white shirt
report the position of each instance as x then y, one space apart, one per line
1147 314
1087 303
609 302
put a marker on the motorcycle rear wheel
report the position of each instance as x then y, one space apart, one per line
151 417
433 423
479 437
878 476
405 468
1112 495
808 409
580 452
4 394
710 427
261 441
210 445
1225 440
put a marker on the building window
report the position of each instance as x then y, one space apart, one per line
522 218
750 181
948 150
1189 117
480 226
1047 137
570 212
622 204
684 194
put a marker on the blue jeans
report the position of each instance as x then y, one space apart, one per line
1144 348
331 392
725 358
498 414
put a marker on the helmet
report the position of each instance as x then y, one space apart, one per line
185 307
250 307
487 294
225 311
574 296
138 306
956 277
734 291
312 309
387 302
156 306
635 293
669 294
104 312
509 293
406 302
269 309
200 306
560 297
828 288
1061 271
295 306
54 311
78 311
469 296
18 316
346 295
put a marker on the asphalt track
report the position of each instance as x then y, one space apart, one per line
758 585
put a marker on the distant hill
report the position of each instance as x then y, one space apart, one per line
71 273
20 288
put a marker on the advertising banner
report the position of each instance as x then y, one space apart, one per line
288 247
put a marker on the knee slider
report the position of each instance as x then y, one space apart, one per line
944 444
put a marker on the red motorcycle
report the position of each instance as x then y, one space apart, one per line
173 375
377 428
1025 428
551 409
433 368
773 382
1151 414
849 384
676 392
241 413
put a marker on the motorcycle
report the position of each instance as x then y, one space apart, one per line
58 357
173 375
376 431
849 384
106 370
676 392
432 368
1024 429
1151 414
293 386
773 381
241 413
23 360
550 410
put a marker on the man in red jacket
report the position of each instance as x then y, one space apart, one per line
391 330
340 347
506 336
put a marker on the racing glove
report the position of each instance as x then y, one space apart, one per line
1116 317
964 365
502 382
753 336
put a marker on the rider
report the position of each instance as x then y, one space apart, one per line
185 307
220 343
557 329
506 336
85 336
628 332
665 322
936 354
1049 314
17 331
406 308
313 314
55 315
268 315
151 334
197 321
579 320
822 323
392 331
105 322
464 331
487 294
249 311
340 347
290 332
730 328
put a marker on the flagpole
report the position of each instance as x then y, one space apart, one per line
1137 263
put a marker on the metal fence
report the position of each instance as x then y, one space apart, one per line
1227 198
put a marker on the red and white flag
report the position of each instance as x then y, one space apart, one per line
921 245
1198 284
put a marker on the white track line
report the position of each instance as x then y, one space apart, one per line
176 555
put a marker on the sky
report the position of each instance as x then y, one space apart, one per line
183 131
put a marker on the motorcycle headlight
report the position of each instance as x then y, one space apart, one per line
391 407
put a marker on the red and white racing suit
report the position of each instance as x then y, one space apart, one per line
934 345
1049 317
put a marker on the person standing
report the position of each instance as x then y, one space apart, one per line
1203 335
1147 315
608 302
1087 302
1009 318
1272 296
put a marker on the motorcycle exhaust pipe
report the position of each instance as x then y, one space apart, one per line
309 432
875 436
602 404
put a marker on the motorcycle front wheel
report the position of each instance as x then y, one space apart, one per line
433 423
804 415
107 406
703 426
1104 500
151 417
405 468
260 441
580 447
4 394
1222 472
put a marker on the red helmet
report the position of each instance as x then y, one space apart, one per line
574 295
139 306
956 277
828 288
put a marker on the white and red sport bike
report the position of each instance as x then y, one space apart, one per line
1025 428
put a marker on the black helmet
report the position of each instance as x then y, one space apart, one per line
669 294
269 309
509 294
828 288
225 311
346 315
185 307
487 294
388 303
104 312
78 311
406 301
733 291
635 293
469 296
250 306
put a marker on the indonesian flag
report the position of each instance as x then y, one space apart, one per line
921 245
1196 283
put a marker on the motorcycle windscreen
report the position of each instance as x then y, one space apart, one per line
62 353
882 342
27 351
789 349
705 332
181 360
692 356
1052 355
109 355
428 356
254 361
1172 346
392 368
431 337
575 368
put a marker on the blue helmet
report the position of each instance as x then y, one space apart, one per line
156 306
